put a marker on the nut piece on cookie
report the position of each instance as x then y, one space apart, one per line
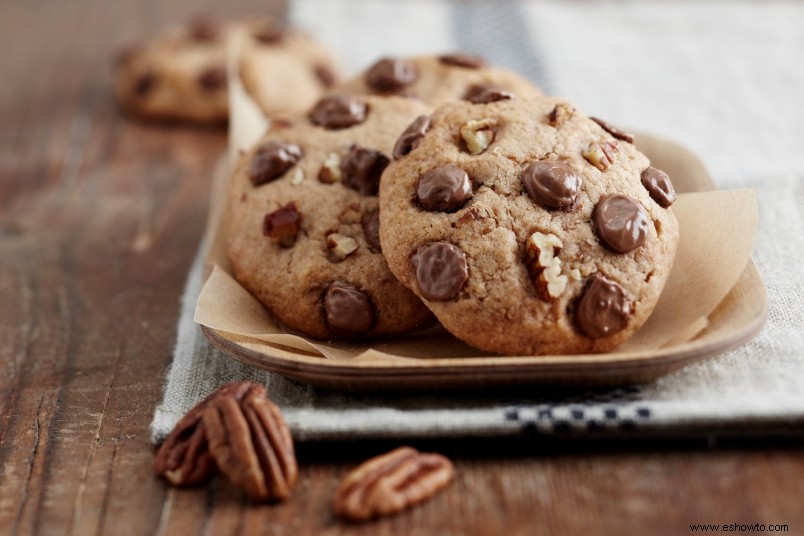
545 270
478 135
341 246
282 225
601 154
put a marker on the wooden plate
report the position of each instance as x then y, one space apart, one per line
738 318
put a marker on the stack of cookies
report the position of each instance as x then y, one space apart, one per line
441 189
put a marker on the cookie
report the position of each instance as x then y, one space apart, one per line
284 70
436 80
180 75
303 224
527 227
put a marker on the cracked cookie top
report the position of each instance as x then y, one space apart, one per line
528 227
303 224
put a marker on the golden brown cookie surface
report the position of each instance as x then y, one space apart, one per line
303 235
527 227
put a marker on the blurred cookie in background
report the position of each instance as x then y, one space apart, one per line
181 75
437 80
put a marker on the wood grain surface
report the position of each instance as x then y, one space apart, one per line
100 217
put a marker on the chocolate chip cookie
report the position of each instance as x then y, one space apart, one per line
528 227
283 69
439 79
180 75
304 227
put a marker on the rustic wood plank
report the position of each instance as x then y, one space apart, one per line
100 217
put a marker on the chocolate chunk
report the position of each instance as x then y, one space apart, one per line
659 186
145 83
412 136
272 160
483 94
361 169
213 78
440 271
621 222
203 30
282 225
325 75
603 309
551 184
348 311
391 74
614 131
339 111
269 32
371 230
444 188
463 60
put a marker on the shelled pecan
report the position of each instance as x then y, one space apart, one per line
183 458
391 482
251 444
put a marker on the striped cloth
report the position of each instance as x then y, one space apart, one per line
722 78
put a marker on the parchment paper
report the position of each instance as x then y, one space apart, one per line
717 232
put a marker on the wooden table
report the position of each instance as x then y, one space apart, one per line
99 220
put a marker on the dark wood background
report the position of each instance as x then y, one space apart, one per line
100 217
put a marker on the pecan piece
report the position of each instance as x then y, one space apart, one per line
183 459
392 482
251 445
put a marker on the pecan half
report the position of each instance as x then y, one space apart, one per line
183 459
251 445
392 482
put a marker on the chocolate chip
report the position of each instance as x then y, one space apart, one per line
213 78
440 271
282 225
483 94
269 32
272 160
603 308
463 60
203 30
371 230
551 184
444 188
614 131
390 74
361 169
339 111
412 136
325 75
145 83
621 222
348 311
659 186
